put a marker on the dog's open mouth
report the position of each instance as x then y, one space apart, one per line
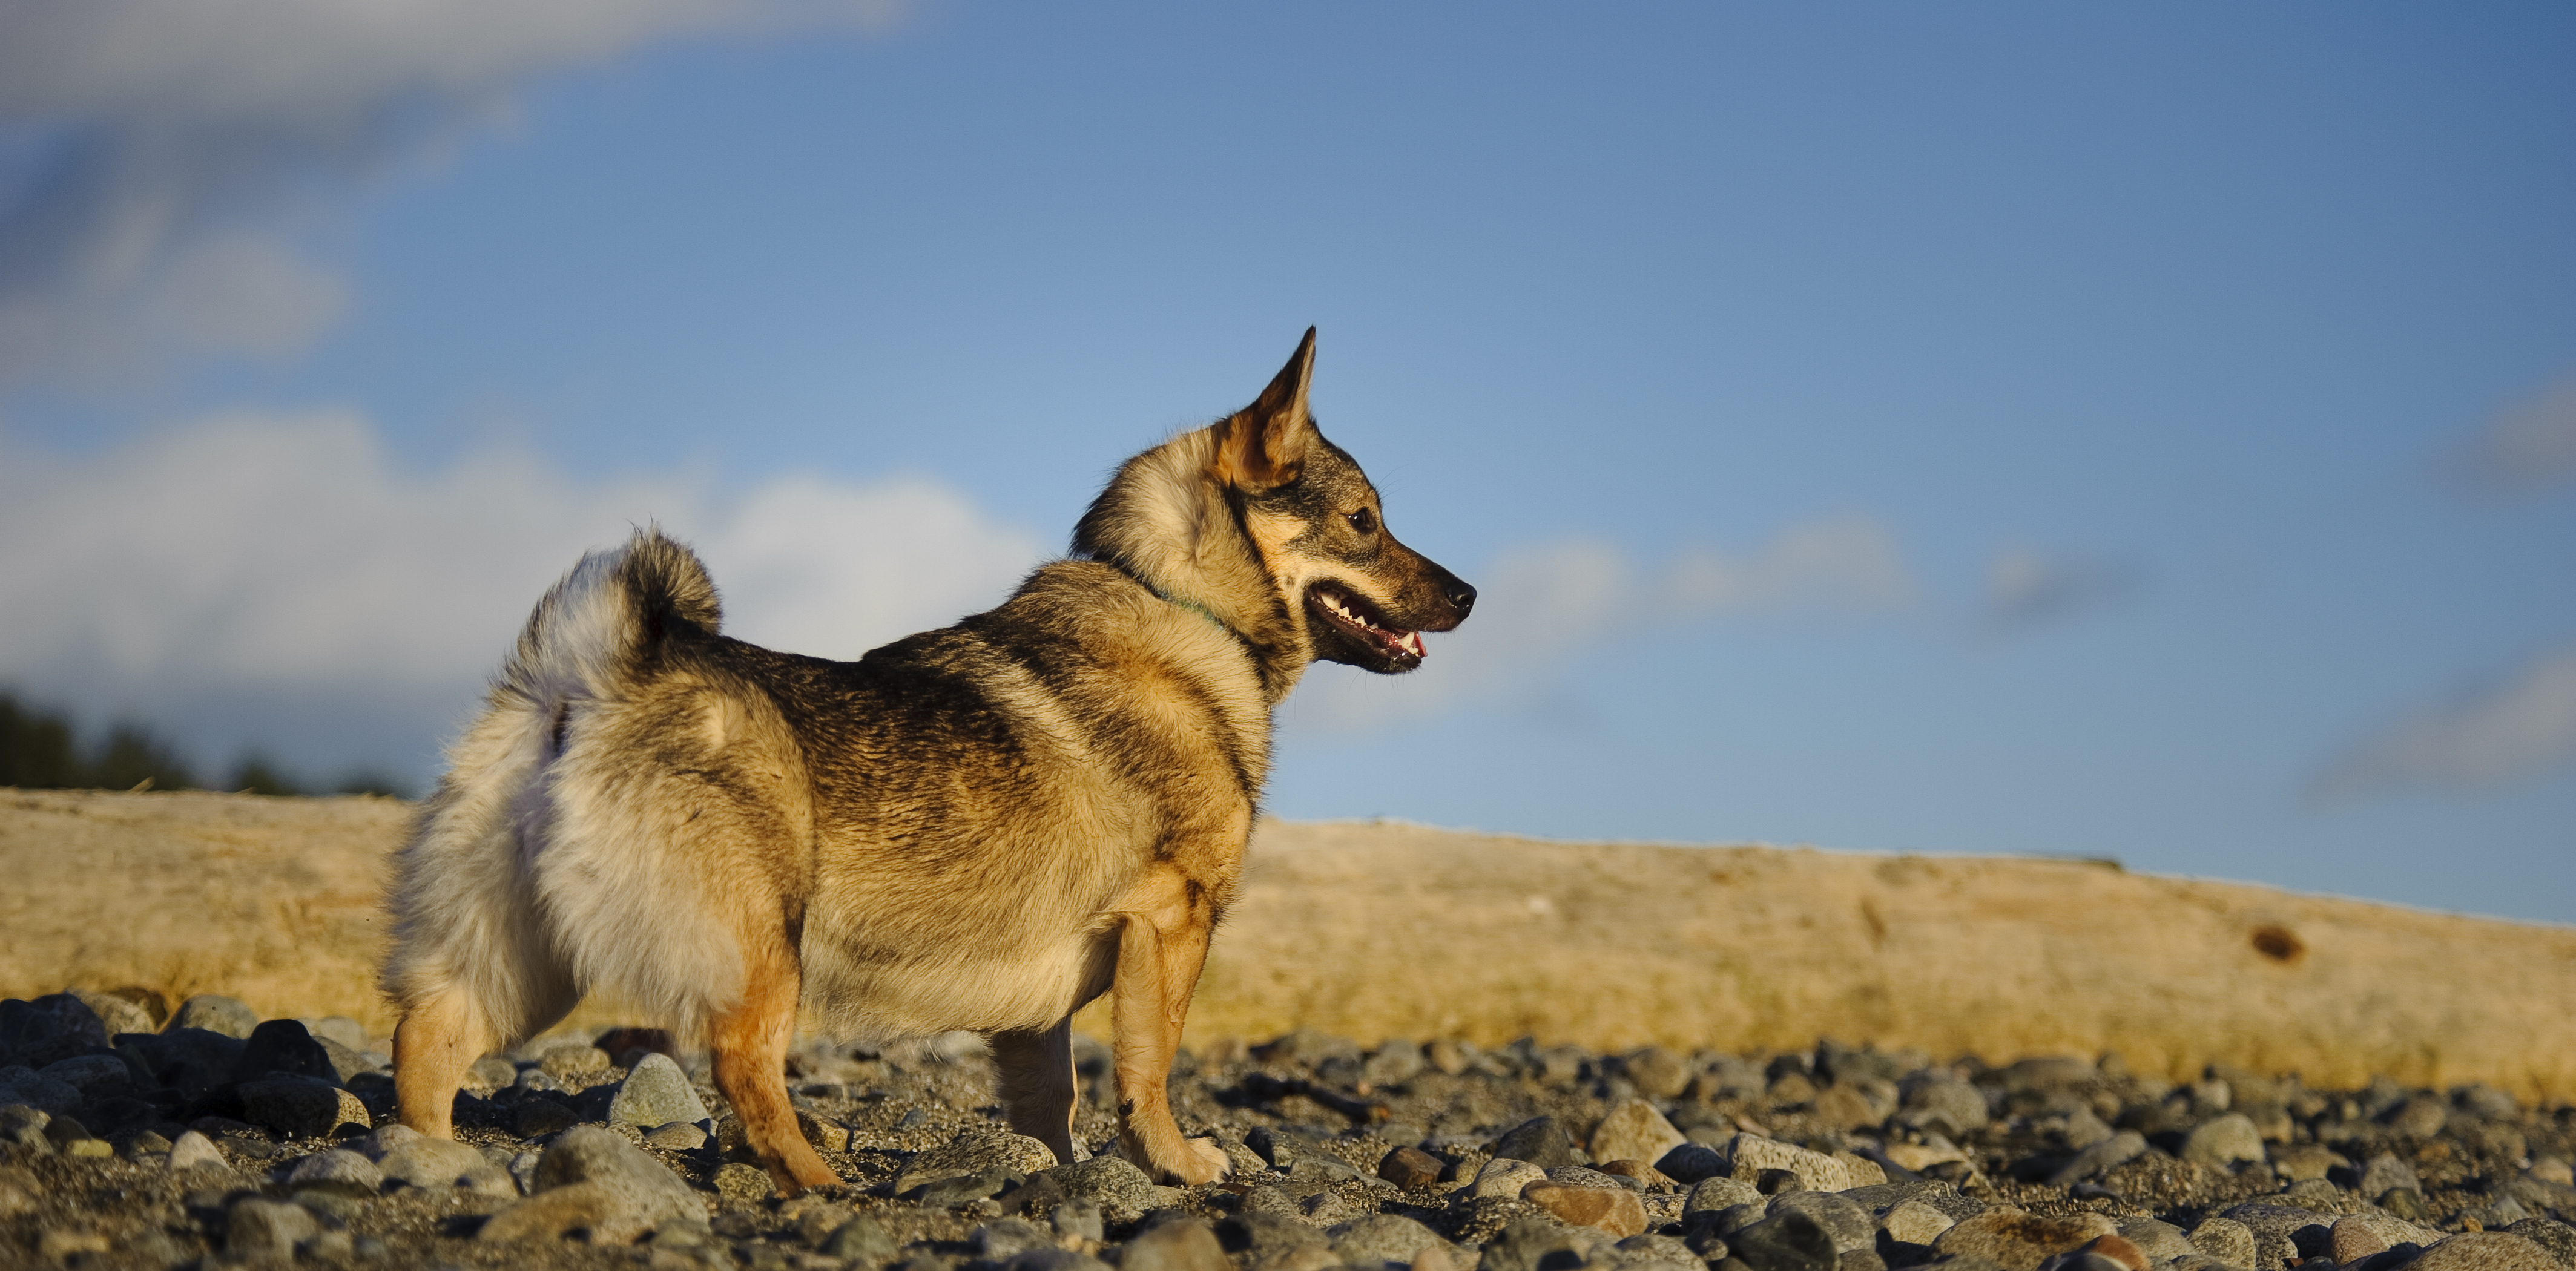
1362 621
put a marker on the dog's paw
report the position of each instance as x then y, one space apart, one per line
1202 1161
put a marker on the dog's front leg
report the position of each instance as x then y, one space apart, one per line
1162 944
1034 1072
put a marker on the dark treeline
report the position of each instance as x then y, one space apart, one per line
39 751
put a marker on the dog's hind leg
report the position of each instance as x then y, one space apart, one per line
750 1041
1162 945
1034 1071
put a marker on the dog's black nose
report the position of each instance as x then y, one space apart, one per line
1463 596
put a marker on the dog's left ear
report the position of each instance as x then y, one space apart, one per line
1262 446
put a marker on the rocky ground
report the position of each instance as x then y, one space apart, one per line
136 1136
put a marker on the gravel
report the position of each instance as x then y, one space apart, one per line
224 1138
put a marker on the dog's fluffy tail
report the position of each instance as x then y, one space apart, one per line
604 621
463 921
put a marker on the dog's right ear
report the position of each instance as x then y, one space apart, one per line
1262 446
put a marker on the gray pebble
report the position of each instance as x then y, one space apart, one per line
1122 1190
2110 1153
1183 1244
260 1230
338 1170
1844 1221
1372 1241
2221 1142
216 1014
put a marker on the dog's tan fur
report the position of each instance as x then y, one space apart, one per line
983 827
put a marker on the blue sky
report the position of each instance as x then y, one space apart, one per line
1987 428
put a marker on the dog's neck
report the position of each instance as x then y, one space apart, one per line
1166 521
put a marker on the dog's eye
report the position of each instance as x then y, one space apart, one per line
1364 521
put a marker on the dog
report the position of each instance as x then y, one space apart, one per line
983 827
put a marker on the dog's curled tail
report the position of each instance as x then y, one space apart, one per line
606 620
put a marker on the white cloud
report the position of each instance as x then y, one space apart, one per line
2025 587
155 154
2513 730
255 562
2531 447
1539 607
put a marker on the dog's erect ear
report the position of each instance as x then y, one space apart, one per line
1262 446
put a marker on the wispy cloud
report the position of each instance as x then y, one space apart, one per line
2511 730
228 575
1541 606
2528 448
156 156
2026 588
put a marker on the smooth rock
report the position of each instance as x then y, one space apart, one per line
2554 1237
1934 1100
1122 1190
2224 1239
593 1178
115 1014
1633 1131
1536 1244
975 1152
1539 1141
1844 1220
301 1109
192 1149
1410 1167
1000 1240
677 1136
861 1240
2298 1162
1790 1241
26 1087
1614 1210
655 1093
260 1230
1259 1235
2113 1251
83 1072
2221 1142
1373 1242
417 1160
1176 1246
338 1170
2110 1153
2358 1235
1045 1259
743 1181
1688 1163
2161 1242
24 1127
1913 1222
216 1014
1720 1193
2277 1229
960 1190
1747 1155
2484 1251
1080 1218
2385 1173
1656 1072
281 1047
2020 1241
1504 1177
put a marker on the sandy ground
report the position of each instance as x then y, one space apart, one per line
1396 930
